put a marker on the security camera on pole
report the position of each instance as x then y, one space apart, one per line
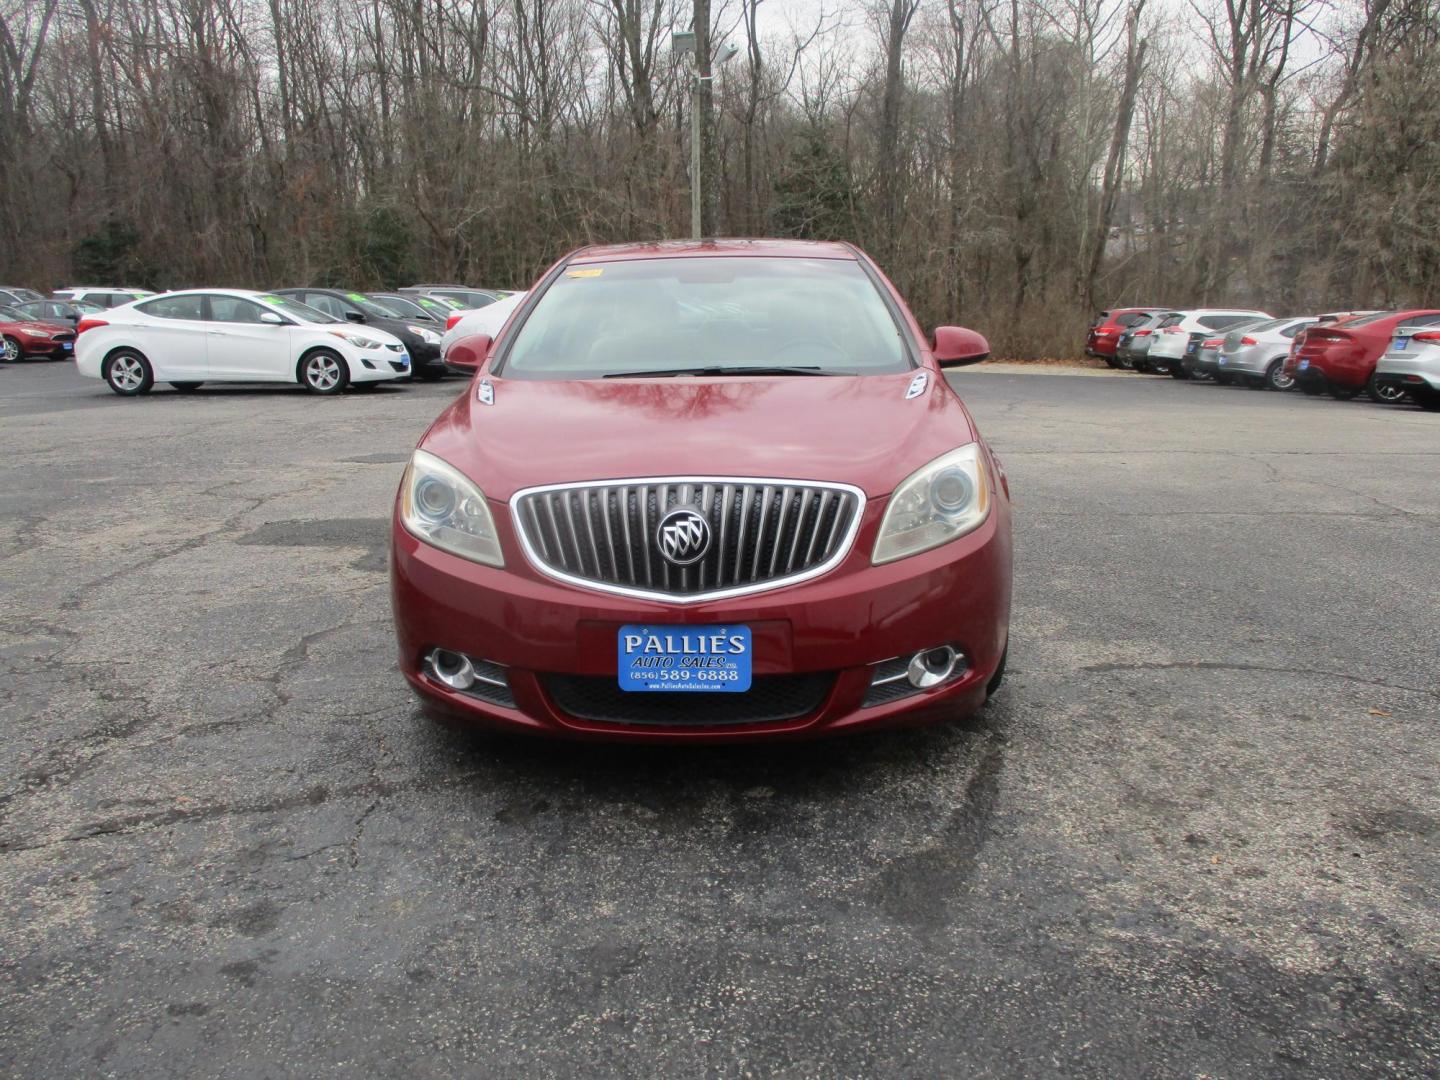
697 46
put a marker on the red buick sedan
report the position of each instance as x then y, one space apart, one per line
710 491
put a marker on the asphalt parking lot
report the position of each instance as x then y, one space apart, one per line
1197 833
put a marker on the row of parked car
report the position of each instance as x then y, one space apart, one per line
1389 355
326 339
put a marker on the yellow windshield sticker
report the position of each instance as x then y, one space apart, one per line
589 271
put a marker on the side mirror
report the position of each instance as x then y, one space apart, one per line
355 316
467 354
955 346
269 318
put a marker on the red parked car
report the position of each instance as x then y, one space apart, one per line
1341 358
22 336
705 491
1105 331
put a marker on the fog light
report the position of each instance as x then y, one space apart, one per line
932 667
452 668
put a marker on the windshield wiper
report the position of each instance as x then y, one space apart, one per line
665 373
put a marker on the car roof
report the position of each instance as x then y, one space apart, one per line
666 249
1191 313
247 294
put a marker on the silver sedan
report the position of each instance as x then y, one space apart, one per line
1412 365
1256 355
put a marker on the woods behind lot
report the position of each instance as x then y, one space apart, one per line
1013 164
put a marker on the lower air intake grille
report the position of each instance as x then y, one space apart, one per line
770 699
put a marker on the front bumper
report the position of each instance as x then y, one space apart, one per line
548 634
373 365
426 358
51 350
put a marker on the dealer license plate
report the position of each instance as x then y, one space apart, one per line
1304 364
1399 344
66 346
1220 359
693 659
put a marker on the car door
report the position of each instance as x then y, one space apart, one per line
241 346
171 333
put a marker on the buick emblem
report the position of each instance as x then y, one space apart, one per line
684 536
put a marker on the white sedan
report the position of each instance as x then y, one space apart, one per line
488 320
232 335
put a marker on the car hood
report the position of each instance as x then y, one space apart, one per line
856 430
370 330
400 328
29 326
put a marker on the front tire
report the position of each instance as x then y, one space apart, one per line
1223 380
1275 376
323 371
128 373
1311 387
1177 371
1343 393
10 351
1383 393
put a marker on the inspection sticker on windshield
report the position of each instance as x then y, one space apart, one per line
591 271
694 659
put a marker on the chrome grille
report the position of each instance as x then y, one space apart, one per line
763 533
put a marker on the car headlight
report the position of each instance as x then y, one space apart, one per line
935 504
441 506
360 341
429 337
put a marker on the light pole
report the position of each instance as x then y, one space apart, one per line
682 42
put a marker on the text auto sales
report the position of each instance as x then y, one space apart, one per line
702 650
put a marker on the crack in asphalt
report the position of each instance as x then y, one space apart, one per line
375 790
75 601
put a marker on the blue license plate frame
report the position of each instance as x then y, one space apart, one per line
714 659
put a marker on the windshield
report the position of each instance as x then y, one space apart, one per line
296 310
398 307
1263 327
1365 320
368 306
682 315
